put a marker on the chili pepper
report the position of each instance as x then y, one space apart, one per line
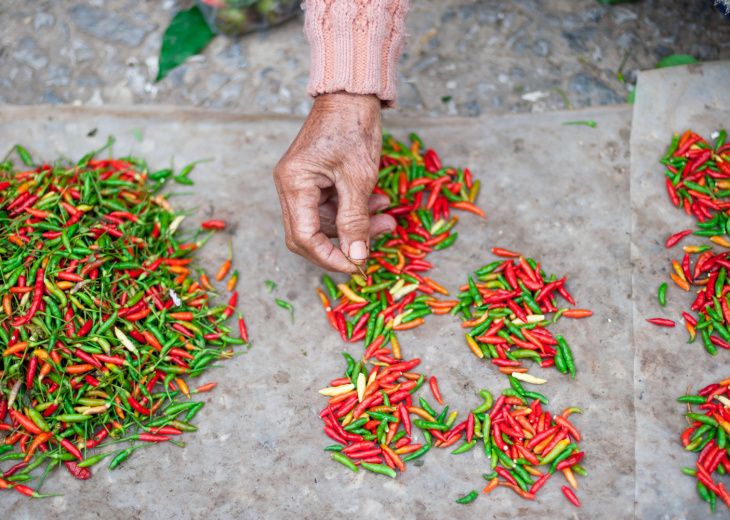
213 224
286 305
570 495
469 498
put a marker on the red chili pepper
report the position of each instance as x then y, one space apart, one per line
435 389
213 224
659 321
138 407
570 495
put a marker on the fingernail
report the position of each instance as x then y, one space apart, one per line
358 250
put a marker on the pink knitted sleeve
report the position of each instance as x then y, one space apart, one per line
355 46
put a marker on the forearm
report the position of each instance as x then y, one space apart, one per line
355 46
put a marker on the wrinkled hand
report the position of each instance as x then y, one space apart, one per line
325 182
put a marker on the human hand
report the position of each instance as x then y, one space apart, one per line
325 182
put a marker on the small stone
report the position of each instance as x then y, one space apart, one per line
79 51
465 12
89 81
541 48
593 14
569 21
216 81
59 75
622 14
50 98
424 64
487 13
451 84
43 20
176 77
29 54
627 40
470 108
517 73
578 40
136 79
232 56
108 25
232 91
520 45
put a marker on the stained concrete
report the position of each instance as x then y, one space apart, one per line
557 193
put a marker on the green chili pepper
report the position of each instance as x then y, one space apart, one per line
345 461
567 355
486 405
662 294
93 460
418 452
465 447
694 399
468 498
286 305
378 468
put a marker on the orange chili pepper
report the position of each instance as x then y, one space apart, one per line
223 270
206 283
492 484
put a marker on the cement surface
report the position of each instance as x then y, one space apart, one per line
668 101
557 193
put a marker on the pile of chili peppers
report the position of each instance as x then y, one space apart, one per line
100 317
366 411
386 297
698 177
510 302
707 436
701 177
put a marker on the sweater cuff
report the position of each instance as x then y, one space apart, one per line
355 46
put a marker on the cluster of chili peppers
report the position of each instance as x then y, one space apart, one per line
100 318
707 436
706 167
698 177
386 297
510 300
366 410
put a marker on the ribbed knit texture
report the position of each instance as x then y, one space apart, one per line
355 46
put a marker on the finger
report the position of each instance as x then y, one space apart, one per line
353 216
304 235
381 224
378 202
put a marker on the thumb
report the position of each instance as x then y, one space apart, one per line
353 217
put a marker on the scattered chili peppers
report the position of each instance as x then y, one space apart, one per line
707 436
100 319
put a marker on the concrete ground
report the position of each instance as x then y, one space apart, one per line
462 58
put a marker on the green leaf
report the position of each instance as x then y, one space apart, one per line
186 35
632 96
676 59
270 286
137 135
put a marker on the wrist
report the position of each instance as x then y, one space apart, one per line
364 103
